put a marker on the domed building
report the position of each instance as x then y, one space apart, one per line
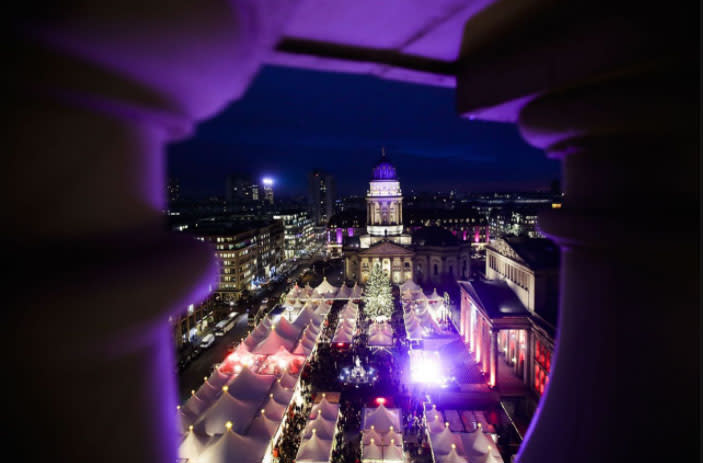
430 255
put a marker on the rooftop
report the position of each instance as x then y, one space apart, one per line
495 297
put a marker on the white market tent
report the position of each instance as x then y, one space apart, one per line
248 385
328 410
344 292
226 409
350 311
263 427
287 330
380 340
232 447
381 418
356 292
325 289
192 445
314 450
371 452
434 297
409 286
325 429
271 343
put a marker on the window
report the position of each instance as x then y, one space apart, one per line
435 269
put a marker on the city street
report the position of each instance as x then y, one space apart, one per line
192 377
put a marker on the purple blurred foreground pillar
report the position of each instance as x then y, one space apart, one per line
97 90
612 91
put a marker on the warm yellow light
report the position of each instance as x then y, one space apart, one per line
178 407
270 396
446 424
453 446
192 392
228 425
556 205
190 428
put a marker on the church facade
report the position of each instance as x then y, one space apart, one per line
429 256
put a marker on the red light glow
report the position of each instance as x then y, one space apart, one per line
380 400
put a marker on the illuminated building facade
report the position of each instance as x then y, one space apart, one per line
298 235
246 254
429 255
321 196
510 316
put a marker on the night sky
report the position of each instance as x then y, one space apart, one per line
291 121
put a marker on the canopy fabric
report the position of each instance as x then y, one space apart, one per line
382 418
356 292
281 394
271 343
325 429
370 433
194 406
218 379
342 337
371 451
409 286
263 427
249 386
433 413
391 438
325 288
287 330
476 444
302 349
380 340
329 411
435 425
393 453
314 450
442 441
192 445
452 457
274 408
344 292
232 447
208 393
434 297
227 408
185 419
288 380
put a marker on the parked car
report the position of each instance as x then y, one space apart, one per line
207 341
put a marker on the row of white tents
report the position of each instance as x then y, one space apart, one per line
325 291
455 446
381 435
317 440
238 412
346 324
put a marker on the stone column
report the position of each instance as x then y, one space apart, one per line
493 359
630 168
96 91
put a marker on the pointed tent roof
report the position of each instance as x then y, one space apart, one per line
344 292
185 419
304 317
249 386
370 433
271 343
194 406
288 381
218 379
435 425
452 457
356 291
325 288
208 393
275 409
314 450
371 451
409 286
232 447
287 330
433 414
192 445
392 435
263 427
382 418
434 297
227 408
476 444
281 394
327 410
302 349
380 339
325 429
442 441
343 337
393 452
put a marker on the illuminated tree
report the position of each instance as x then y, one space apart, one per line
377 295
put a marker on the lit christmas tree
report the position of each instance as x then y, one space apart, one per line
377 295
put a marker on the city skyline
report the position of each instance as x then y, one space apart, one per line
344 134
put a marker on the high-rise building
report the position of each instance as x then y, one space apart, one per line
267 184
321 196
298 232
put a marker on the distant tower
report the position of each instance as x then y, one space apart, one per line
384 201
173 189
321 196
267 184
